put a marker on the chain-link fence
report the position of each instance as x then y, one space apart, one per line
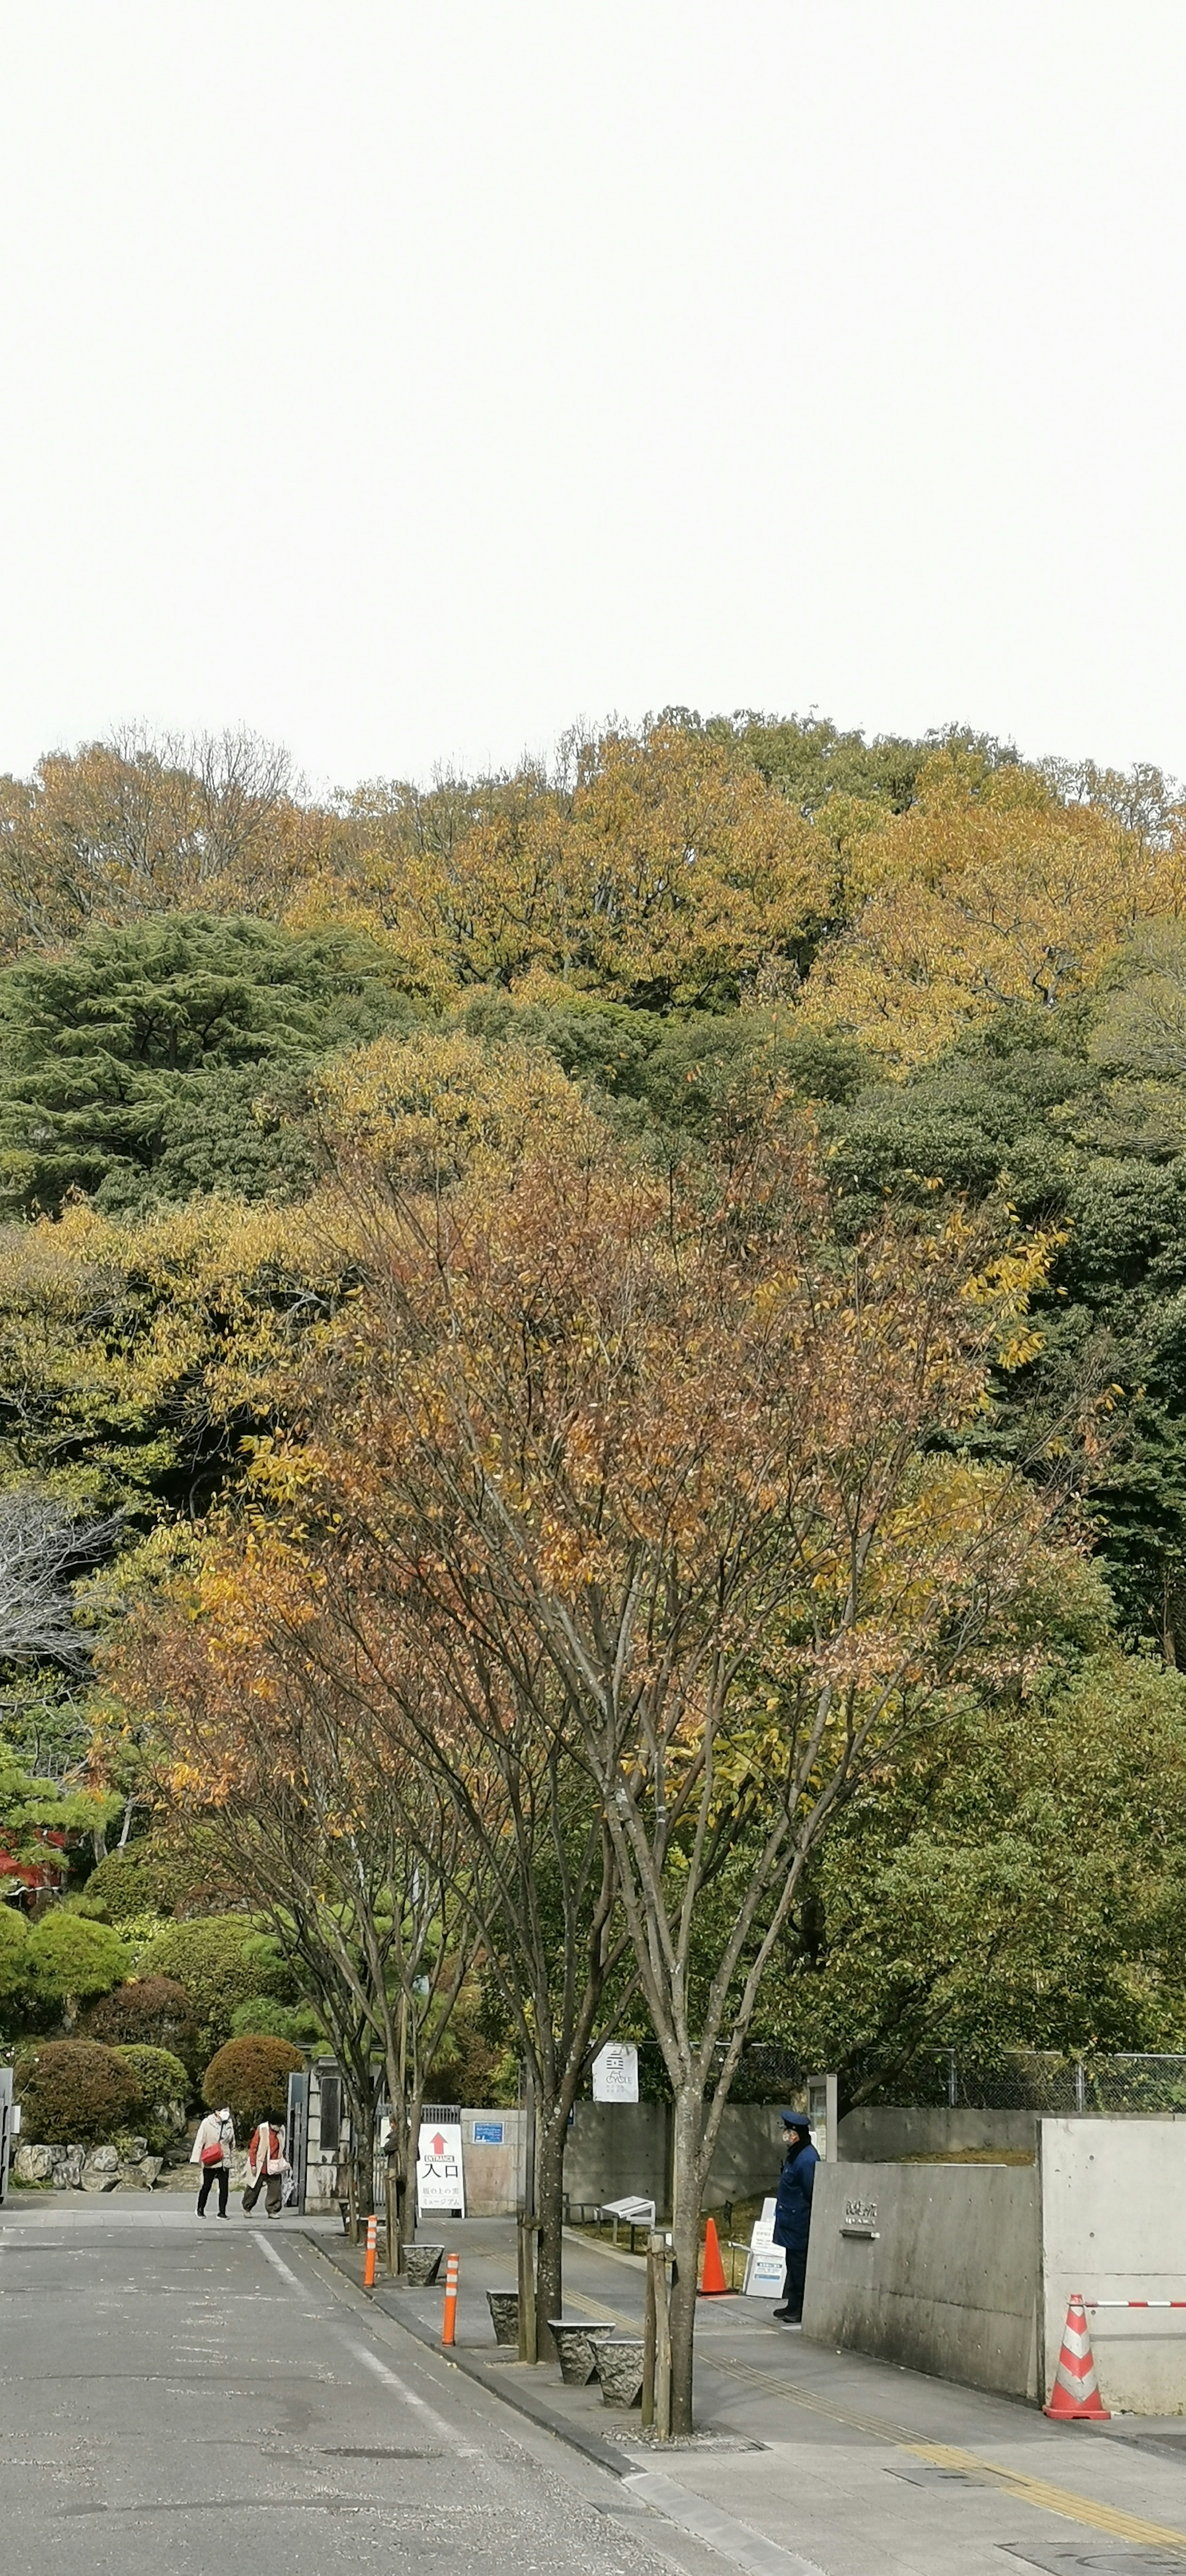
1043 2080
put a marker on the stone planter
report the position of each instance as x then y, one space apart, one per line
575 2340
504 2315
421 2263
619 2368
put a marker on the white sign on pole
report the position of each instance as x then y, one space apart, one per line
765 2263
615 2072
440 2181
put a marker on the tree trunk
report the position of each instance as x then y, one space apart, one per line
685 2236
549 2209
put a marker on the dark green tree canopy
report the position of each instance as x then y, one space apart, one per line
160 1060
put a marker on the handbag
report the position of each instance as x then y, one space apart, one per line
212 2155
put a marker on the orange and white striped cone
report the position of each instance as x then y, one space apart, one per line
449 2326
1075 2396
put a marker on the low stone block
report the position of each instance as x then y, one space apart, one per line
504 2314
575 2339
421 2264
619 2368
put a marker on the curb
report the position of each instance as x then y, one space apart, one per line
525 2402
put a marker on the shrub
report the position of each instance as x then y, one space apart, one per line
148 2012
251 2077
210 1959
71 1958
131 1882
14 1954
164 2092
73 2092
264 2018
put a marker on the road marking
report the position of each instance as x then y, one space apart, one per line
705 2521
1022 2488
464 2450
1050 2499
271 2256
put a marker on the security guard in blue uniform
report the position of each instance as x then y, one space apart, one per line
792 2213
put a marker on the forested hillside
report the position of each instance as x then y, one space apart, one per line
954 983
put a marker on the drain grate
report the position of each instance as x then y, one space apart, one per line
380 2451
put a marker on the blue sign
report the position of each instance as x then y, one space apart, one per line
488 2133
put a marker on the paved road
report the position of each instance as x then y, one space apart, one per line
184 2400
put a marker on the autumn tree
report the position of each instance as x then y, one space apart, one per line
142 824
988 890
272 1774
668 1467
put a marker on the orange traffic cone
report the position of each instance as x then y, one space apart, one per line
1075 2396
712 2278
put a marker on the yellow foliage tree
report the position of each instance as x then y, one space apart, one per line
988 890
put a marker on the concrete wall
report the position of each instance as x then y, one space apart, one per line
949 2281
748 2155
1114 2227
619 2147
880 2135
493 2175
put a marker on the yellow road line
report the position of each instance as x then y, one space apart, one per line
1037 2491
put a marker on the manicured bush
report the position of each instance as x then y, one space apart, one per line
164 2092
148 2012
209 1957
14 1953
251 2077
71 1958
132 1882
264 2018
72 2092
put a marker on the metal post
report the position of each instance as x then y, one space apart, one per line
1080 2087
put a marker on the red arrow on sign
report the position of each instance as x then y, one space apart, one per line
438 2145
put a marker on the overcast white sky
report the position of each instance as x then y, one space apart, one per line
409 380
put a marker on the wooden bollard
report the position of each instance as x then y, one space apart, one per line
449 2328
368 2278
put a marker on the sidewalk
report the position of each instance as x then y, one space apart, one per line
849 2466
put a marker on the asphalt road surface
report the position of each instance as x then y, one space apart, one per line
195 2399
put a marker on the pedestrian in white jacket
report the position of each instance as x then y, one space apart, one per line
212 2149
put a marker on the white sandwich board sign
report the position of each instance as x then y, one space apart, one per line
765 2263
440 2178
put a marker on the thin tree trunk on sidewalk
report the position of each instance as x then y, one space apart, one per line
686 2170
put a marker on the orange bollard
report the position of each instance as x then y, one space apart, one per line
368 2278
449 2328
712 2278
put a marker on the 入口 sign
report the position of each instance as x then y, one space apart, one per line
440 2181
615 2072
